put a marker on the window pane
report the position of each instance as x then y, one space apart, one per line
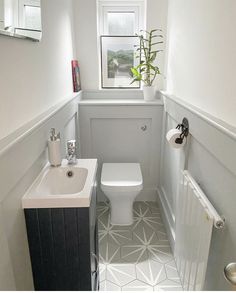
121 23
32 17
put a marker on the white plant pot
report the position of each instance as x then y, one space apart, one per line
149 93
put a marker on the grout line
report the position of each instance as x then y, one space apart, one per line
153 228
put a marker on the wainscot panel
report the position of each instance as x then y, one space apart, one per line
22 156
210 156
124 133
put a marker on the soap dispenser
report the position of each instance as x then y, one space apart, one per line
54 148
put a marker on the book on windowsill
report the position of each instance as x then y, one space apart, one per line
76 75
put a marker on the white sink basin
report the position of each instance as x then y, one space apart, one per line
64 186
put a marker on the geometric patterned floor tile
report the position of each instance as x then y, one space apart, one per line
143 239
171 272
115 236
102 272
168 285
137 286
151 272
121 274
141 210
162 236
136 257
160 252
144 216
134 253
112 233
103 209
145 235
108 286
109 253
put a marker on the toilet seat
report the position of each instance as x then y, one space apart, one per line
121 177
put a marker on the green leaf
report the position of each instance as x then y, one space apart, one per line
155 30
154 55
134 80
146 71
157 51
145 31
157 36
157 43
135 71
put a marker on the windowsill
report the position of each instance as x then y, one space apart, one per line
119 102
117 97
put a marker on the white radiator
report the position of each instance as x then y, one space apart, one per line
194 222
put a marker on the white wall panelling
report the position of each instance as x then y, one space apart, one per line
20 163
171 161
114 134
210 156
111 131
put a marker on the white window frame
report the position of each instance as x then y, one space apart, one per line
138 7
22 4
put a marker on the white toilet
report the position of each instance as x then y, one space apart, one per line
121 183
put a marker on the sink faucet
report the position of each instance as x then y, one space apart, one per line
71 152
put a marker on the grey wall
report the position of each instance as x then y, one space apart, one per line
111 131
21 159
210 156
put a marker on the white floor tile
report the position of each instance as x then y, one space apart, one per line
172 273
136 257
108 286
121 274
137 286
109 253
102 272
151 272
168 285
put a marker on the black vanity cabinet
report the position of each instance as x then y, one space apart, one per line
63 245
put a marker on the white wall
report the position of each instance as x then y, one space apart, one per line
86 42
201 57
157 19
86 38
35 76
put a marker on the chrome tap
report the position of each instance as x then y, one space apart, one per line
71 152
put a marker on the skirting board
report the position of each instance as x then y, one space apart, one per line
166 218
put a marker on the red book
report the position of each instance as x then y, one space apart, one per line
76 75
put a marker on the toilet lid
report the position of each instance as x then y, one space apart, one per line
121 174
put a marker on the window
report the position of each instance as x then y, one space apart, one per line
119 21
30 14
32 17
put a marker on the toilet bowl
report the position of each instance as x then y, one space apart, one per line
121 183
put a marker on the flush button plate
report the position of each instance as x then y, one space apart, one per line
144 128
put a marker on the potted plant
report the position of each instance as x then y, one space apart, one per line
147 71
